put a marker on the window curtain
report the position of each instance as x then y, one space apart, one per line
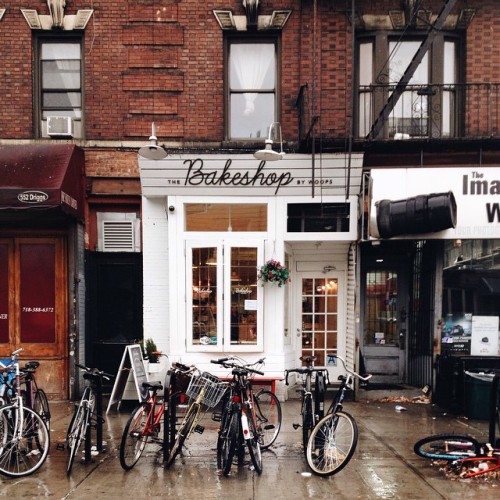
250 65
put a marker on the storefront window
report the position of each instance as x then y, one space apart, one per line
204 286
225 298
243 296
226 217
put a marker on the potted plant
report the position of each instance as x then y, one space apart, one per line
151 350
274 272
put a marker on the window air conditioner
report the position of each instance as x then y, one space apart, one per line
60 126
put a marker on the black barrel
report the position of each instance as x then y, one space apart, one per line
425 213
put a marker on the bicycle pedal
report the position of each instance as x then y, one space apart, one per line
199 429
296 426
60 446
217 417
269 427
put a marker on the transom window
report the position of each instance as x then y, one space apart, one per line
252 83
60 84
318 218
226 216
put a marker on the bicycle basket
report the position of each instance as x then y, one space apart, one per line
212 388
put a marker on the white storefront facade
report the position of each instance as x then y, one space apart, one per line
209 222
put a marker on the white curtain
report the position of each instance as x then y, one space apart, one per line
250 63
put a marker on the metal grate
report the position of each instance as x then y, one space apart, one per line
118 236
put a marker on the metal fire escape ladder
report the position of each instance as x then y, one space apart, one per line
410 70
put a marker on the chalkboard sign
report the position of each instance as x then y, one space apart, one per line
131 366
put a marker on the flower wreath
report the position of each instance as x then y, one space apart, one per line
273 272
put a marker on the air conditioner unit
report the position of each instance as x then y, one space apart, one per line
60 126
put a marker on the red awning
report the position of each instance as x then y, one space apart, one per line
42 177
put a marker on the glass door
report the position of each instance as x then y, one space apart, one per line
384 326
320 319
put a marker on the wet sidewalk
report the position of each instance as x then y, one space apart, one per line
383 467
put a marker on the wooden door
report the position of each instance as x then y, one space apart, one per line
34 307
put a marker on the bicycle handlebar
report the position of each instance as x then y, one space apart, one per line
310 369
307 369
350 372
225 362
95 371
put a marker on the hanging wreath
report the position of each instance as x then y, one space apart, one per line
273 272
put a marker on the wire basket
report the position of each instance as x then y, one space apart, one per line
210 385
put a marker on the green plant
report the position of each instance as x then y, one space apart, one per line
151 349
273 272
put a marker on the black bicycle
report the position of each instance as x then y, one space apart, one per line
243 421
312 405
87 415
34 397
333 441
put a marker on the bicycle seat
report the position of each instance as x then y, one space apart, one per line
308 359
31 365
181 367
154 386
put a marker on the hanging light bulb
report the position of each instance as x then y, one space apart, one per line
152 151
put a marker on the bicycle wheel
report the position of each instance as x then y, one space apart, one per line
307 421
41 406
226 443
447 447
24 443
182 433
268 414
134 438
253 444
76 432
332 443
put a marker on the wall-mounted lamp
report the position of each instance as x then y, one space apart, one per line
152 151
268 153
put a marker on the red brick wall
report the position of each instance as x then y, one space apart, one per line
171 70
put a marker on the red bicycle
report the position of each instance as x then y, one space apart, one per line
145 422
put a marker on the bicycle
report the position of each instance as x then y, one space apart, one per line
464 451
24 436
267 408
87 415
205 391
239 422
333 441
34 397
310 416
145 421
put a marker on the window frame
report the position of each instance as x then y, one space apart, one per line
231 39
38 104
223 299
436 58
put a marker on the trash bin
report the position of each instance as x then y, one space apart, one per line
477 395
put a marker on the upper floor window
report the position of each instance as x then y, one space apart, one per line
429 104
252 84
60 88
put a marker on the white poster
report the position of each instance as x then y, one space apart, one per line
484 340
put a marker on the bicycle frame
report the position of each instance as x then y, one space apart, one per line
16 399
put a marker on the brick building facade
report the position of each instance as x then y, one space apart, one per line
114 68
